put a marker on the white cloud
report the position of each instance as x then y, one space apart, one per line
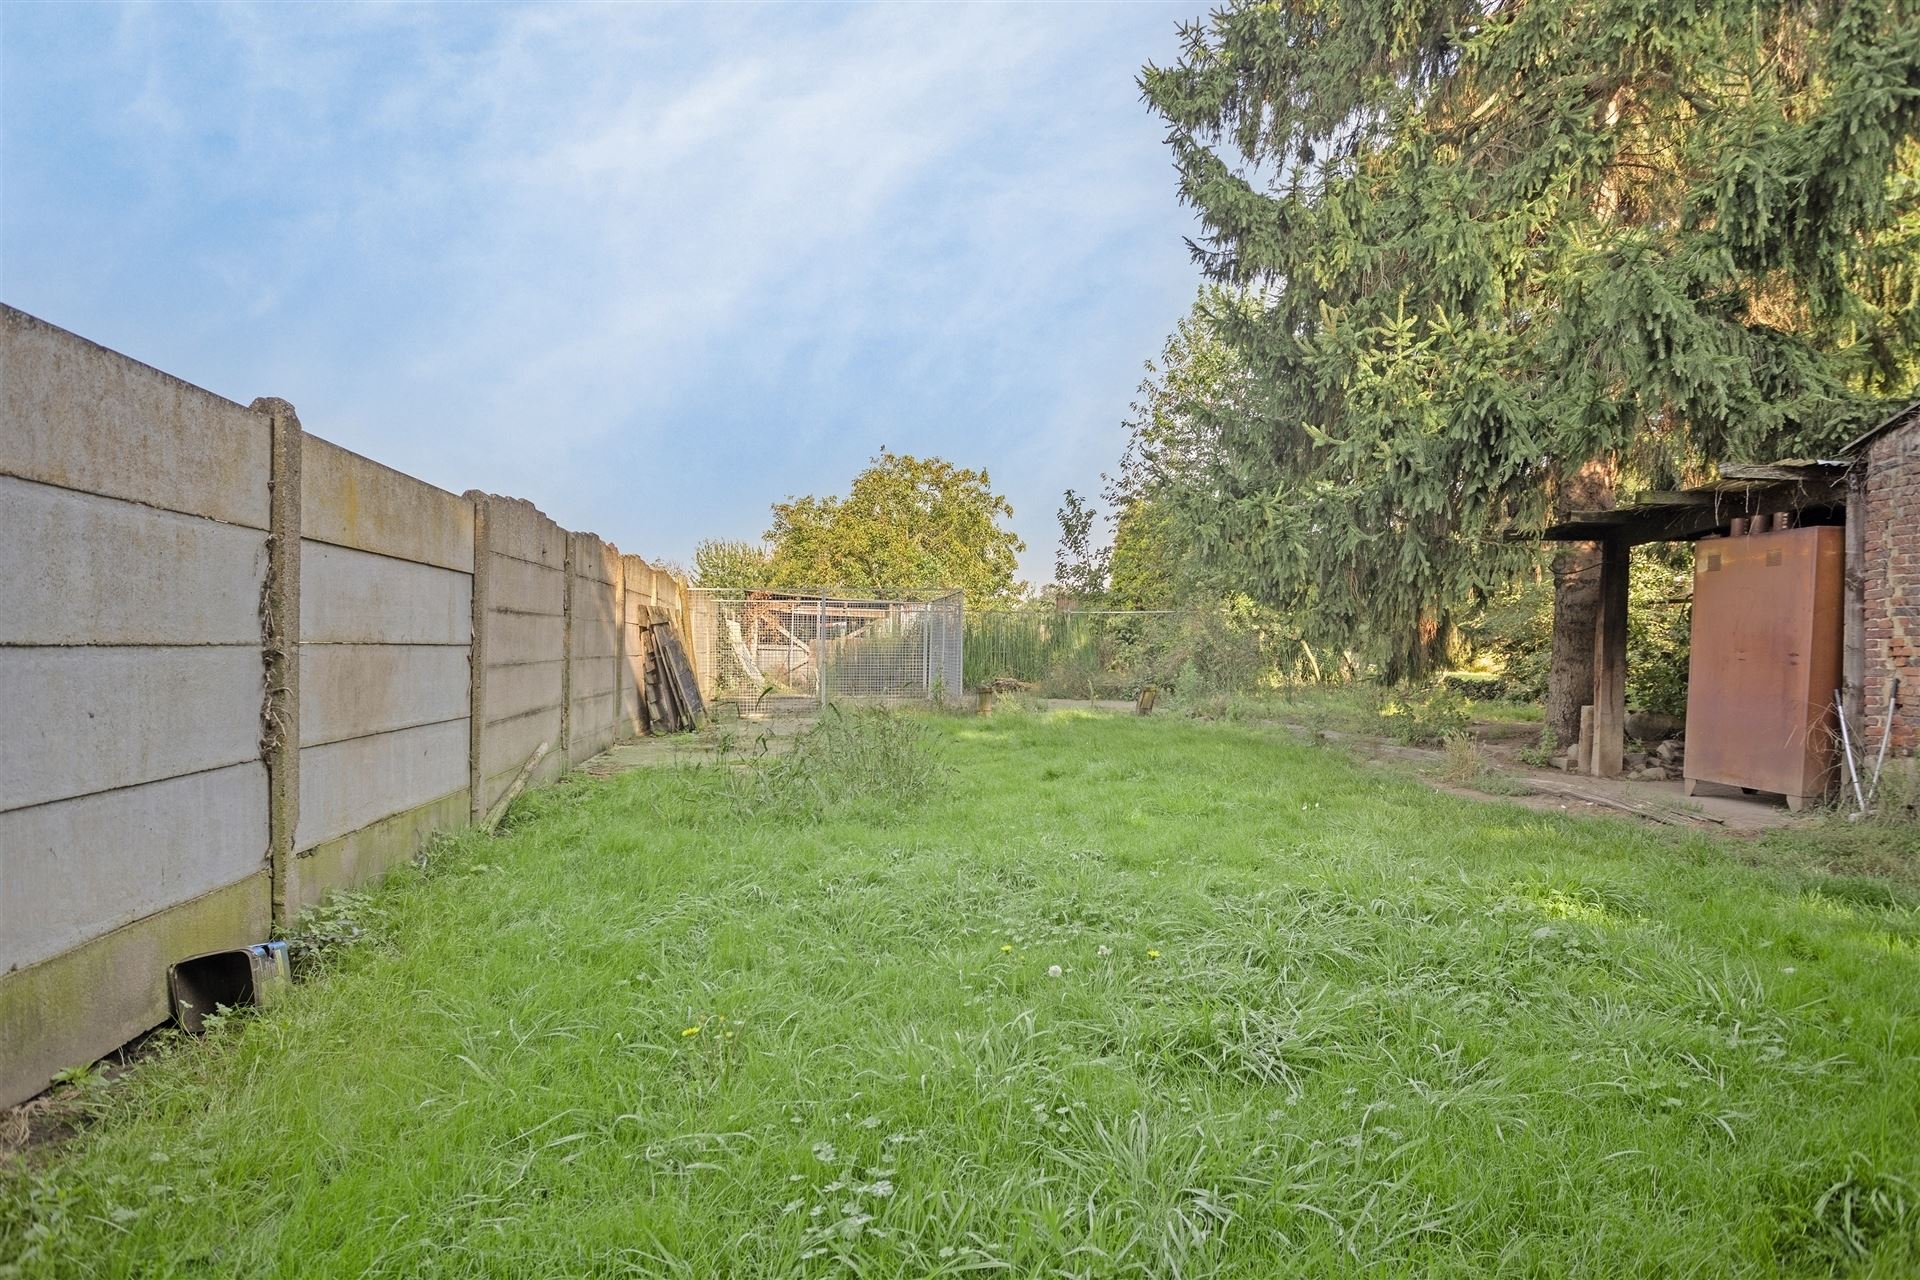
766 240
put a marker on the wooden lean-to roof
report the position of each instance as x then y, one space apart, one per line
1681 515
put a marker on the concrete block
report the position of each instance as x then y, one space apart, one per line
73 870
595 635
517 528
82 417
518 587
636 577
347 785
87 1002
363 856
79 569
630 719
524 687
506 744
590 556
523 637
348 690
76 720
588 745
496 784
594 598
633 675
593 677
355 597
353 501
596 711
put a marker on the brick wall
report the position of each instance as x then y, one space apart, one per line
1892 581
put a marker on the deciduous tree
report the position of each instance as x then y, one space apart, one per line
731 565
1079 567
907 523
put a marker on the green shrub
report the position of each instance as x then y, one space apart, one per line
1425 718
1476 686
1541 753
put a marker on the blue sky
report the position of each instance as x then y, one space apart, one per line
653 268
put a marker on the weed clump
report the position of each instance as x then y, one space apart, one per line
1883 842
870 762
1427 718
326 931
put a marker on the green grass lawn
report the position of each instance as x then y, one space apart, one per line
1310 1018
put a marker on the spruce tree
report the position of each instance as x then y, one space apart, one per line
1495 246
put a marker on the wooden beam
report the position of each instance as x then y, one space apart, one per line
1788 471
1610 661
491 823
1657 813
1674 498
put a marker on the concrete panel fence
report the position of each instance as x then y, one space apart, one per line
242 667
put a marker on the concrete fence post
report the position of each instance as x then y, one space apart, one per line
280 650
619 644
477 659
566 653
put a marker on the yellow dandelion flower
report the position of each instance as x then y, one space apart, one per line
690 1031
1006 949
1153 955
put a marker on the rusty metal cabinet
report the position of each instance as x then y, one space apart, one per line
1765 663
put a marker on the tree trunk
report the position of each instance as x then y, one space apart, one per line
1576 604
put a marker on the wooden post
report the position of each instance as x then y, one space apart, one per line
1610 661
1583 746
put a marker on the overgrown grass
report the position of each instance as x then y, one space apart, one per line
1425 715
1883 844
854 763
1309 1019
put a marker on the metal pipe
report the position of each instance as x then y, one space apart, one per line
1846 747
1886 735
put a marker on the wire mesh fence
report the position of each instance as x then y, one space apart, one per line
779 651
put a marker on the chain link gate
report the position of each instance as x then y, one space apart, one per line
777 651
